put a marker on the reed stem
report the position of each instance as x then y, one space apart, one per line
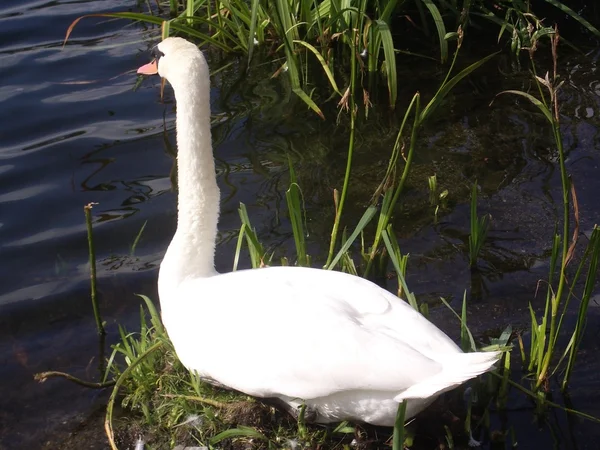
353 112
565 182
92 252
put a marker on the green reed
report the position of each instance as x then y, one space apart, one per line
399 430
391 188
479 229
436 199
546 329
93 278
333 32
248 233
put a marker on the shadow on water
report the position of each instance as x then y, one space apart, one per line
73 132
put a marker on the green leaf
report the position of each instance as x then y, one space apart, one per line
441 28
446 88
326 68
362 223
399 431
390 5
543 108
463 326
237 432
252 29
154 315
309 101
174 24
399 262
575 16
295 208
390 59
254 246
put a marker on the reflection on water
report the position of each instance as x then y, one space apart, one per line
73 131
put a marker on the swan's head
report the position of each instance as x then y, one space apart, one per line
177 60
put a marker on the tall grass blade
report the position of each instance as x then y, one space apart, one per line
503 390
466 338
173 7
323 63
399 261
350 153
362 223
137 239
541 106
575 16
390 6
289 33
397 149
390 60
238 247
399 431
588 290
254 5
441 28
296 210
447 87
465 333
538 341
108 426
479 229
255 248
389 199
189 11
174 24
154 315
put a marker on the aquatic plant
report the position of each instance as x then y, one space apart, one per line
391 189
479 229
436 199
335 37
546 329
335 34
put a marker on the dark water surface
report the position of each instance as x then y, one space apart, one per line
74 131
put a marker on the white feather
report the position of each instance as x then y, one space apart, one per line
342 345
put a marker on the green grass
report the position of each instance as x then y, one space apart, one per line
331 35
479 229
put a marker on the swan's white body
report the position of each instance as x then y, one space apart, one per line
342 345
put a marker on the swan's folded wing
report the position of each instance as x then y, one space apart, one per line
301 333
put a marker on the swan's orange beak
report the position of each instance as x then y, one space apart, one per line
152 69
149 69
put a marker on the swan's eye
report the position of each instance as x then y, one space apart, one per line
156 53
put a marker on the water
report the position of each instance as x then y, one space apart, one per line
74 131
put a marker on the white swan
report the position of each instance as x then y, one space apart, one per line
343 346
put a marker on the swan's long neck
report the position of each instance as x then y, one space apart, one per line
191 252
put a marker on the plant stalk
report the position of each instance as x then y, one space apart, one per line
92 252
565 234
340 208
385 216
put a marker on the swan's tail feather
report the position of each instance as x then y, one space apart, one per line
457 368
